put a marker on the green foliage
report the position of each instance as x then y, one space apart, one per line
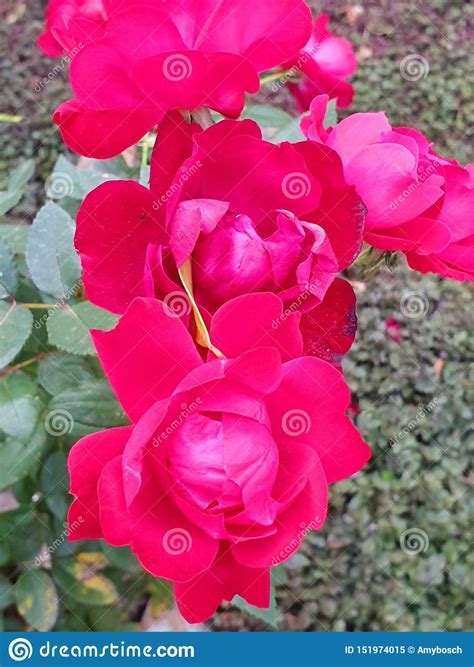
16 184
330 119
52 392
50 255
90 407
276 124
68 327
16 323
63 371
270 615
37 600
8 272
19 405
439 104
354 574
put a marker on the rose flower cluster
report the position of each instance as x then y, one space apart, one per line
225 272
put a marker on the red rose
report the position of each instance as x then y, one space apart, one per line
70 24
417 201
250 215
326 62
154 57
227 463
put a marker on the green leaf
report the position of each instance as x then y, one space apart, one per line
15 327
63 371
144 178
268 117
330 119
37 600
19 406
290 132
8 272
269 615
50 255
21 175
15 236
16 186
81 582
9 199
121 557
63 181
90 407
20 458
4 555
75 182
54 483
6 593
68 328
100 171
23 533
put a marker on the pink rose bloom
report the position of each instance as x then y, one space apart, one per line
70 24
326 62
393 329
227 463
173 54
455 211
417 202
249 215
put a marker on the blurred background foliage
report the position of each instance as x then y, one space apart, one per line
354 574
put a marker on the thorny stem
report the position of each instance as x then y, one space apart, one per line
371 261
28 362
